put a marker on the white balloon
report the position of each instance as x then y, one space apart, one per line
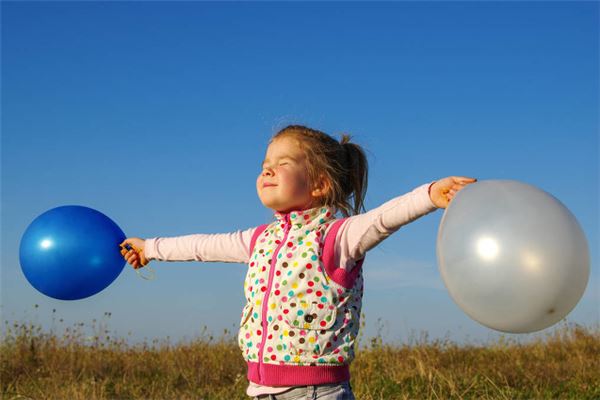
512 256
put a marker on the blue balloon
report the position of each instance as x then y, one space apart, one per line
71 252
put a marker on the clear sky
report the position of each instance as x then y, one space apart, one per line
158 114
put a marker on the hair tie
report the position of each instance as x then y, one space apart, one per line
345 139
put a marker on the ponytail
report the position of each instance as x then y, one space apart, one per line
357 174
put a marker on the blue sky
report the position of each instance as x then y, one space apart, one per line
158 115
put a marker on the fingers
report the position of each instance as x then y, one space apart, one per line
128 244
459 183
132 255
463 180
450 195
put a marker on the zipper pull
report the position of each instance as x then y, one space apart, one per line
288 223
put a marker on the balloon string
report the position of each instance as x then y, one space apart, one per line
149 277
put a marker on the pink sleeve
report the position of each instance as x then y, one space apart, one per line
360 233
224 247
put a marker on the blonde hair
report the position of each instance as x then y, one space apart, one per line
342 164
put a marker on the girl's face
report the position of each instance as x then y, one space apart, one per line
283 183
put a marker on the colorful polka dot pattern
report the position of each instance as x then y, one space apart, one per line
311 320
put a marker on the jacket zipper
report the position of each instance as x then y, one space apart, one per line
265 307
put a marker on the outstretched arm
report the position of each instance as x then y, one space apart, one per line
360 233
223 247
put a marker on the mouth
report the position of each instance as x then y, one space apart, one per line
268 185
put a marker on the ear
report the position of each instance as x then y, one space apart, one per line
322 187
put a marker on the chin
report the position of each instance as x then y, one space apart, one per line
268 204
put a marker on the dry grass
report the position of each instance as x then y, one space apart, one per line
42 365
564 365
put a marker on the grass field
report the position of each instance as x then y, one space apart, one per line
72 365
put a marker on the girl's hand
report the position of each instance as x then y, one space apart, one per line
135 256
443 191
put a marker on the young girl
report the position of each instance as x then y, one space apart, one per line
304 283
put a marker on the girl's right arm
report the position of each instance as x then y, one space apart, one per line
223 247
360 233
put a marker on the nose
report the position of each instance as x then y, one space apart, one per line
267 172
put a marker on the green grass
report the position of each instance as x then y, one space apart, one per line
72 365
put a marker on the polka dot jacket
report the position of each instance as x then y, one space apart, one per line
301 317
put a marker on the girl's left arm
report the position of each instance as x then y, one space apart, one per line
360 233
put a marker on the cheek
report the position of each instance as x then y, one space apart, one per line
299 184
259 188
300 179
